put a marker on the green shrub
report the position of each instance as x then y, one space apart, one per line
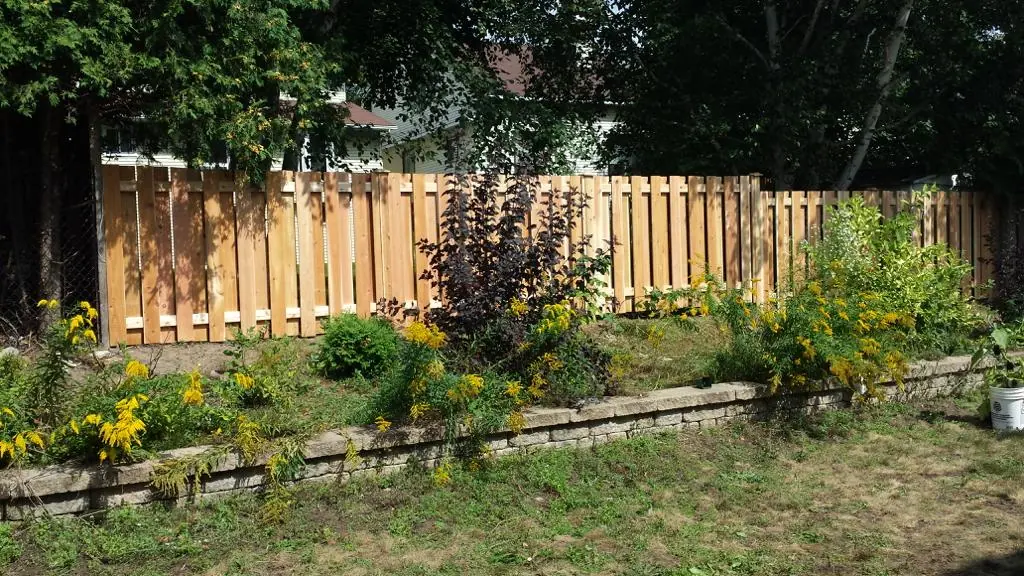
355 346
421 389
264 371
870 296
862 253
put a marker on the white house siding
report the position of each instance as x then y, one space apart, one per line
432 160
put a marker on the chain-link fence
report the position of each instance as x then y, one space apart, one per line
19 266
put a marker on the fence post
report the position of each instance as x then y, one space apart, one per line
101 247
758 264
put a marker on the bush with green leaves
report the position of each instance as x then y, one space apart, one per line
354 346
871 297
863 253
264 371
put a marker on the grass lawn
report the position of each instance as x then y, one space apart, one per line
898 489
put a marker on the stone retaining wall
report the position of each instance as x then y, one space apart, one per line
67 489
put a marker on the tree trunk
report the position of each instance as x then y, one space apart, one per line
14 201
50 204
892 50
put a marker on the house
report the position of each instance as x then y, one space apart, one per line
416 147
364 153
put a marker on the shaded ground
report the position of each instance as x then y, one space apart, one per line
896 490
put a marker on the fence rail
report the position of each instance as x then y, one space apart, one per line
190 255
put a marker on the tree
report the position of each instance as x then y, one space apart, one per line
798 88
203 75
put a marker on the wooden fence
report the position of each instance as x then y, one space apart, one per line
190 255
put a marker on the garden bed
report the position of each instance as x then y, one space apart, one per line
358 451
898 489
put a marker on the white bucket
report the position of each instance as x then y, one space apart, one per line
1007 408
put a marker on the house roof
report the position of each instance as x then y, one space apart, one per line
511 70
362 117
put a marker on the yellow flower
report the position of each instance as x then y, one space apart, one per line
552 361
870 346
136 369
7 411
429 336
418 409
555 319
193 393
536 388
383 424
94 419
435 369
35 438
443 474
517 307
516 422
74 426
50 304
245 381
417 386
469 386
124 433
89 335
513 388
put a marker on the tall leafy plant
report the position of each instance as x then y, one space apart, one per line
491 258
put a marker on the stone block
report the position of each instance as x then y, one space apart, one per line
626 406
58 506
610 427
749 390
699 415
570 433
530 439
616 436
589 412
326 445
642 423
560 444
545 417
244 478
668 418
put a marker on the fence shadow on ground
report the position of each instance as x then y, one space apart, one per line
1010 565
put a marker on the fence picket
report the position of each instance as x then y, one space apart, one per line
246 223
620 243
732 235
279 220
659 234
315 244
365 268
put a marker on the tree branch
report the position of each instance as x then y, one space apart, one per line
743 39
810 27
884 83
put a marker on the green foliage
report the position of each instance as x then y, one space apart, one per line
65 339
264 371
172 476
10 549
871 295
863 253
355 346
